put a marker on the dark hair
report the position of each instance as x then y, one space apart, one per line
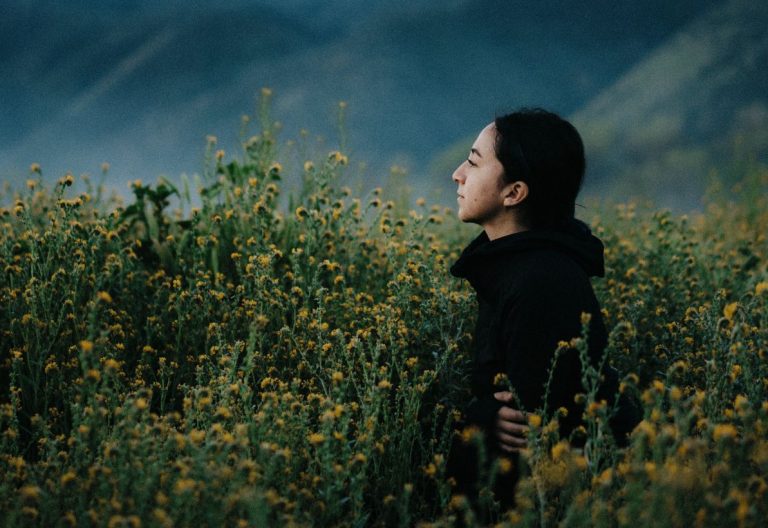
546 152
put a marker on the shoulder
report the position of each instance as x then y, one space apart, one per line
545 283
543 270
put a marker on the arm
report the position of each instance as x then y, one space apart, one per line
533 321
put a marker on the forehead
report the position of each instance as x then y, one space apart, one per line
486 140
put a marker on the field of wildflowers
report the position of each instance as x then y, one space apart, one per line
252 364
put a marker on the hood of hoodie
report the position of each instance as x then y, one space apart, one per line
573 238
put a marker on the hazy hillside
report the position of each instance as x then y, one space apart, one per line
697 102
141 85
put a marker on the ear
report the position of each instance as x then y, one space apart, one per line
514 193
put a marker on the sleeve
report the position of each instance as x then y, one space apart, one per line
481 411
533 321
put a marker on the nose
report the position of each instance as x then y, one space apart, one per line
458 176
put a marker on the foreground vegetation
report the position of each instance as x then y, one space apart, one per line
256 364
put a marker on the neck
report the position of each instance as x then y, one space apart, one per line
503 227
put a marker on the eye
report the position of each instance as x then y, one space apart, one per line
471 163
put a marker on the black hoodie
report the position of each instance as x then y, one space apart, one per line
532 288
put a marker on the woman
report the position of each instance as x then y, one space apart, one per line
530 268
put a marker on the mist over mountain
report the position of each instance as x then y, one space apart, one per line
141 85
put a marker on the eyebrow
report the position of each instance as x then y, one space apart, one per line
476 152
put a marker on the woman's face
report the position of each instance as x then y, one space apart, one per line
480 180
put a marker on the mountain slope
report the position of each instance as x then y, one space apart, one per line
680 112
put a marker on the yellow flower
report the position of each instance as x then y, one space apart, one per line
68 477
223 412
761 288
742 510
30 492
458 502
316 438
161 498
724 431
559 449
534 420
500 378
17 462
593 408
301 213
650 469
469 433
505 465
606 477
338 157
184 485
648 429
581 462
263 260
105 297
196 436
730 310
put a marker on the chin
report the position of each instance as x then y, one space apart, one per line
465 216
